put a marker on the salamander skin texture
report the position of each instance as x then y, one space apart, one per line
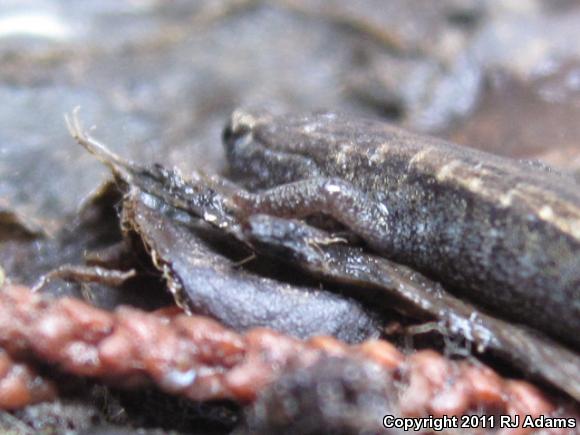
502 232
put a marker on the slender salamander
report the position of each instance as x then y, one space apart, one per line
499 231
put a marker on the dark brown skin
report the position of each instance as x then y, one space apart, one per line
502 232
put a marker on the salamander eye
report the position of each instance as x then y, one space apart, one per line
228 134
234 138
235 133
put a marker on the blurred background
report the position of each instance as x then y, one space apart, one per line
159 78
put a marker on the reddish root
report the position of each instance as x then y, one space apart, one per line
20 385
200 359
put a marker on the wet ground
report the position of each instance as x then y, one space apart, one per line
158 80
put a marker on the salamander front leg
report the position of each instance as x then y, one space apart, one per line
330 196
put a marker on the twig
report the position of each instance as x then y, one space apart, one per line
70 272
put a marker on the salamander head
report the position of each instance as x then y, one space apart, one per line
264 150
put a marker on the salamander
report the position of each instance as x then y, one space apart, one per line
502 232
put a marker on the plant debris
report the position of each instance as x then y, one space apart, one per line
162 77
318 253
197 358
20 385
205 282
418 297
